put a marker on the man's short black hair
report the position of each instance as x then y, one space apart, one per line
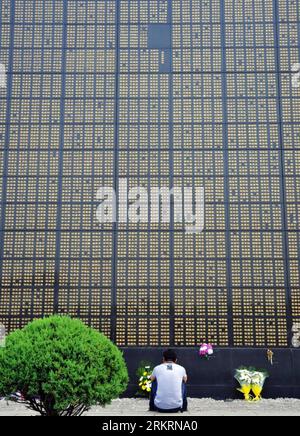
170 355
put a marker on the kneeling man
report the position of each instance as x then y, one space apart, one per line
168 393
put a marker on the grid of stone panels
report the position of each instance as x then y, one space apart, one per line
258 217
201 303
143 265
57 148
29 117
163 93
289 54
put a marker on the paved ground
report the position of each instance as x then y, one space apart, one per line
197 407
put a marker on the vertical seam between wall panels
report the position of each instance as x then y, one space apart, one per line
171 180
60 154
115 177
37 181
226 173
282 179
194 177
7 134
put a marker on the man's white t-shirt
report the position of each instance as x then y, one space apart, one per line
169 377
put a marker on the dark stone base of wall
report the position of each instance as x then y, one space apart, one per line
214 377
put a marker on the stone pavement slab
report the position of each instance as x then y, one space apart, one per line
197 407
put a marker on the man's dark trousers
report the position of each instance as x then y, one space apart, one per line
153 408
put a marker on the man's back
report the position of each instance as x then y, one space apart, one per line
169 378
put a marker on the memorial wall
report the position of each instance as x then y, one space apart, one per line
169 94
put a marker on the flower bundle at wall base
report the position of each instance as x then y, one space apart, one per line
251 379
257 383
243 376
206 350
144 373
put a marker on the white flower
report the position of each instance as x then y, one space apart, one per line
258 378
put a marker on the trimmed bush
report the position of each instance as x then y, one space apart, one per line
61 367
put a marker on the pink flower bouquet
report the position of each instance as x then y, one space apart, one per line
206 350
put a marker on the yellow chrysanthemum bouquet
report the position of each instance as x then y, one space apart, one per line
251 379
144 374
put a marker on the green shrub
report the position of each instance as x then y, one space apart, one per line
61 367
